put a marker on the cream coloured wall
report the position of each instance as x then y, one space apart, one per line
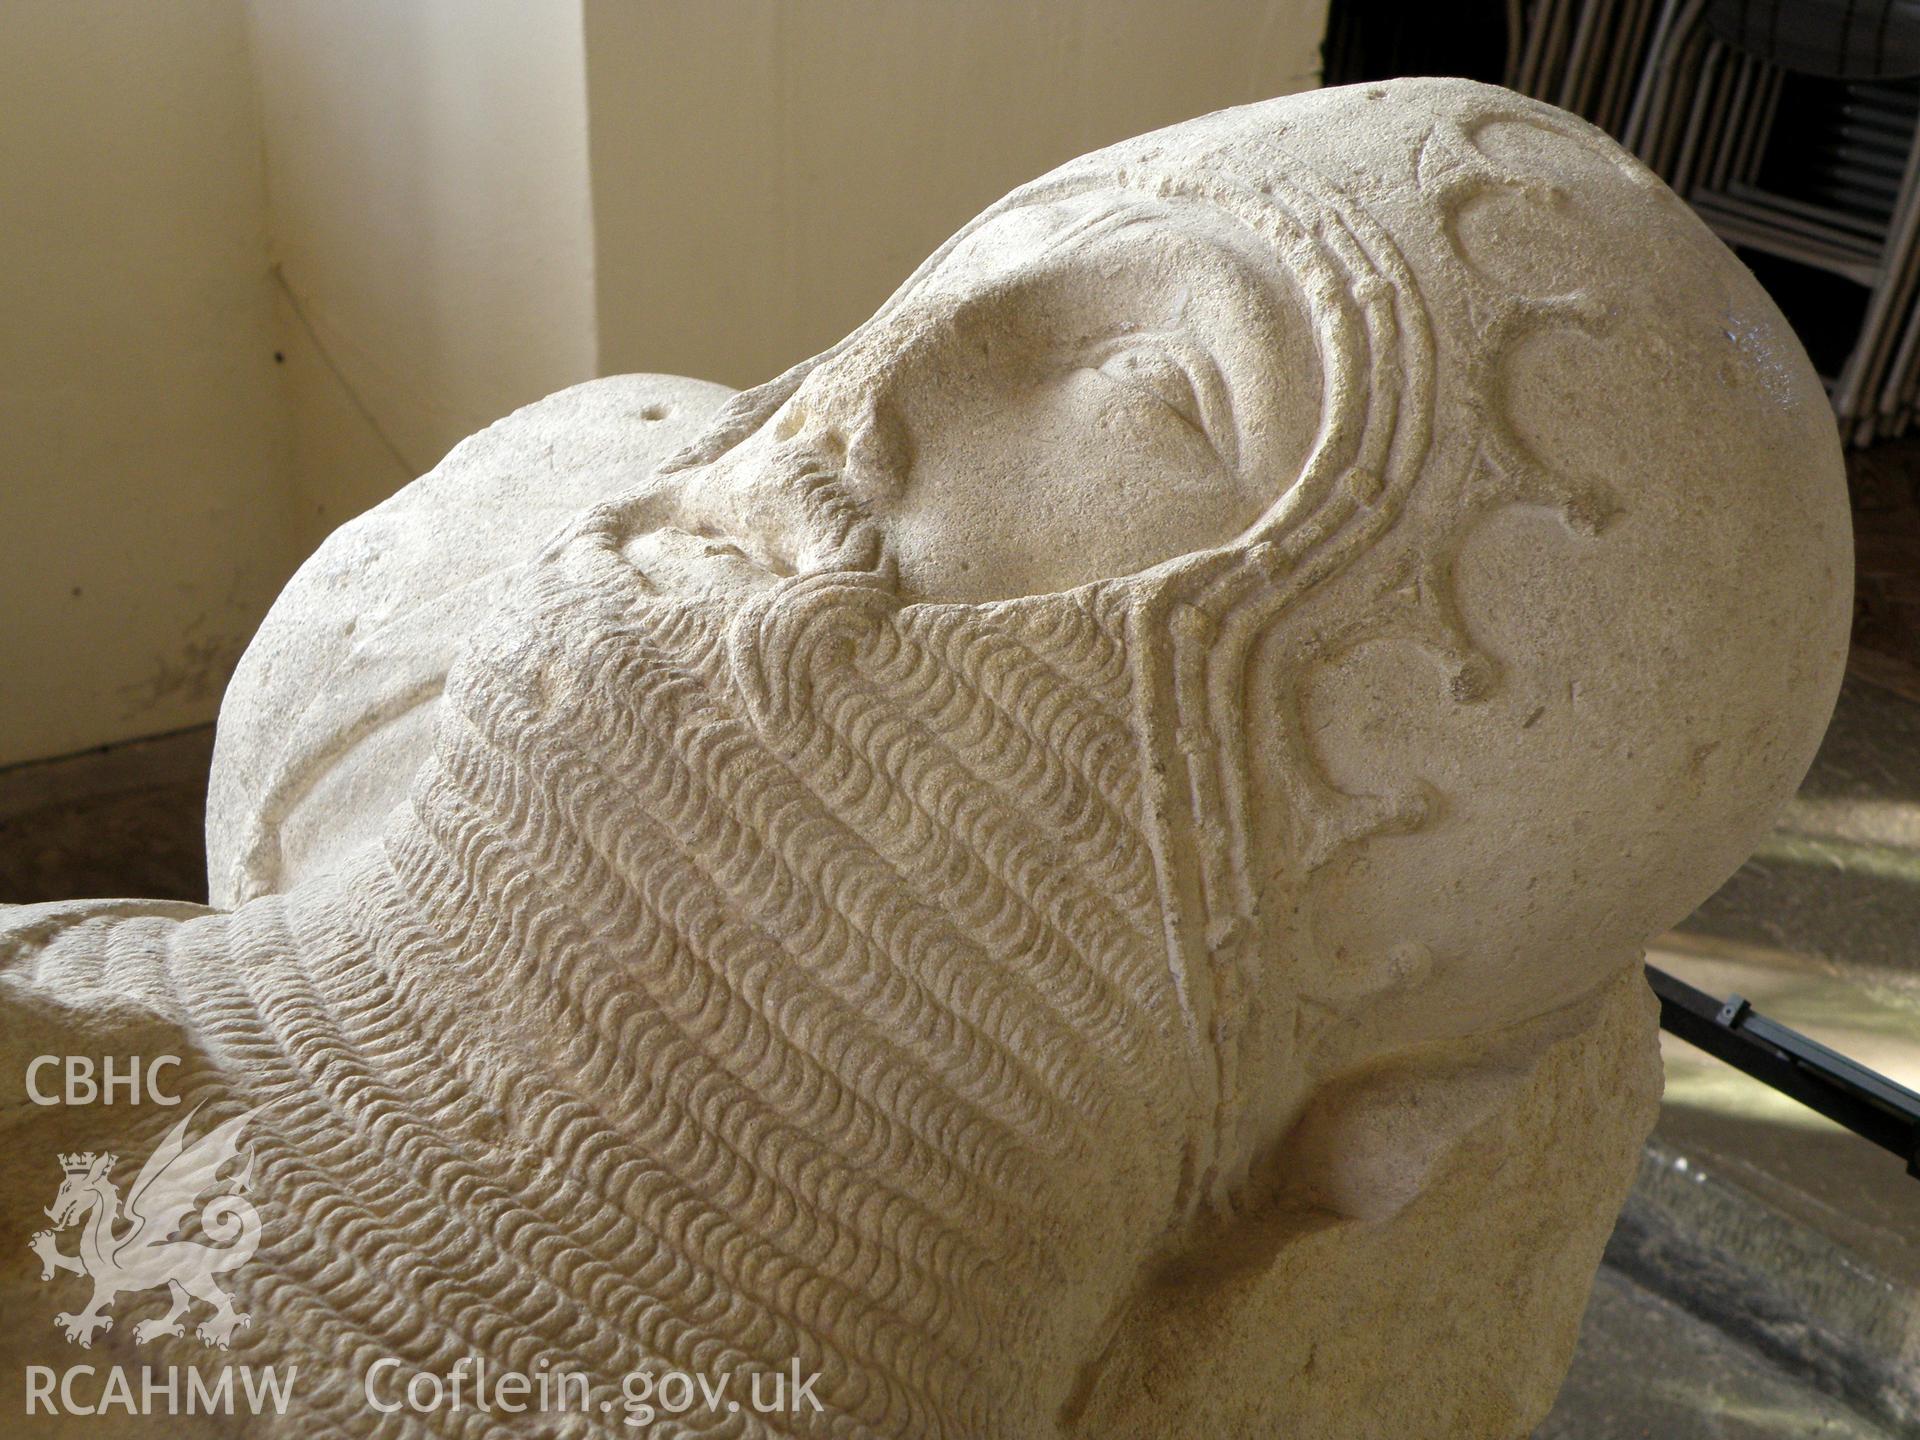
466 204
431 227
144 520
766 171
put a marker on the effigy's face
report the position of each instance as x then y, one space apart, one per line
1453 412
1044 408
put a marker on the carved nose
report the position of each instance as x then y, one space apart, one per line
853 430
767 496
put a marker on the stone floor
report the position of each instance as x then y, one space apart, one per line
1647 1369
1885 484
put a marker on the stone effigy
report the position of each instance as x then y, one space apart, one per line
1075 865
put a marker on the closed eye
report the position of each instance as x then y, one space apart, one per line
1180 377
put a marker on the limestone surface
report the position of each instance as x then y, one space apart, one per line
1075 865
332 707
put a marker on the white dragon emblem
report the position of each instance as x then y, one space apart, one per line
137 1250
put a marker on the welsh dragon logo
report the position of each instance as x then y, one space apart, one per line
131 1249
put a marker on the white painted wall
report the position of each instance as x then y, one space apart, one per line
431 226
144 520
766 171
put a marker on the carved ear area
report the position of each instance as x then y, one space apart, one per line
1368 1146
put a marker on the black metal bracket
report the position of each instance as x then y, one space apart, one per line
1845 1091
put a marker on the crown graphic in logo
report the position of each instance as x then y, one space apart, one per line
81 1163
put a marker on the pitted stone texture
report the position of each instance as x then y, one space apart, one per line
1076 864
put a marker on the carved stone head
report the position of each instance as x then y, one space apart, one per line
1074 865
1477 522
